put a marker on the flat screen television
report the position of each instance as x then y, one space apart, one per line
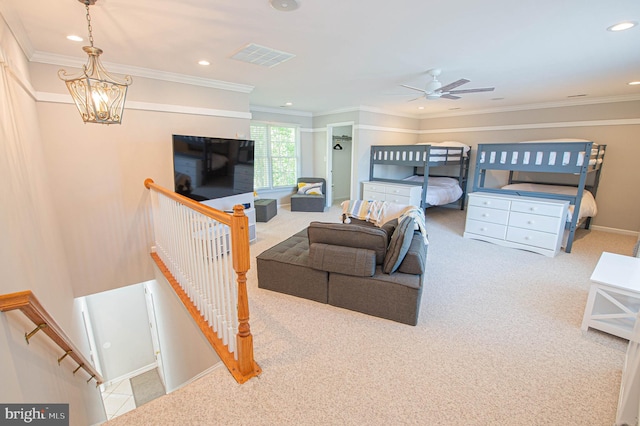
207 167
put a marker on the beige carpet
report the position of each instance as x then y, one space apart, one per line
498 343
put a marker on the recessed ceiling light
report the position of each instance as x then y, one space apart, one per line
420 107
284 5
634 83
203 62
74 38
622 26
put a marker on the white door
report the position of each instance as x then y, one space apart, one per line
153 326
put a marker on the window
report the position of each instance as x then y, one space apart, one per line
276 155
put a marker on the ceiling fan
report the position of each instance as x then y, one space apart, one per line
435 90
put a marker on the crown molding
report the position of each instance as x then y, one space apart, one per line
365 108
17 29
283 110
68 61
560 124
149 106
542 105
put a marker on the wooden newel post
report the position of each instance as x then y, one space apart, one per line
241 264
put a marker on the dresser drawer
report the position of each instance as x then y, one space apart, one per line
373 196
488 215
404 191
398 199
535 222
494 203
539 209
371 187
486 229
530 237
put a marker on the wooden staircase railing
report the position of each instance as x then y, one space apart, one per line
188 263
26 302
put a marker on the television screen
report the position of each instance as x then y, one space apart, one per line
206 168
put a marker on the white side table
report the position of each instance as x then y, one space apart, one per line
628 411
614 297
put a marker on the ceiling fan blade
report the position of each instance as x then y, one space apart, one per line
448 96
453 85
484 89
413 88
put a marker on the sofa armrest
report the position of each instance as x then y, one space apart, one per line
357 262
415 260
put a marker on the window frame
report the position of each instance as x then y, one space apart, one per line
268 125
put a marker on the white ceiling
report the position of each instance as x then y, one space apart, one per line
358 53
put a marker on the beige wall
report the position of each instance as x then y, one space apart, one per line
615 124
369 128
96 172
33 255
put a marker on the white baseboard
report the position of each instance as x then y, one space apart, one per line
131 374
615 230
193 379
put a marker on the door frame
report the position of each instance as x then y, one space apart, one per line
153 329
329 170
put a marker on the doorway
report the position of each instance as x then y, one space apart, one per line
340 162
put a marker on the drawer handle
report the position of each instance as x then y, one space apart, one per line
486 203
531 222
485 214
483 229
527 238
533 209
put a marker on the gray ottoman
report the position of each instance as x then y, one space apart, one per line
265 209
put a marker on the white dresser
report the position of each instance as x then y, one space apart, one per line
393 192
528 223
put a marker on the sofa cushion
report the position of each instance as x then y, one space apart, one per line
357 262
416 258
399 245
347 235
310 188
285 268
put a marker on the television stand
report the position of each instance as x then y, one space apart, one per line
227 203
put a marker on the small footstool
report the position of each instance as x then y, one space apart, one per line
265 209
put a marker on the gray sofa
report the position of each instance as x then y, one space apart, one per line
357 266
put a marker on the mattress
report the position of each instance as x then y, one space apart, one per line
440 190
588 207
439 151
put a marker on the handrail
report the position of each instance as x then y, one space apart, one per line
27 302
244 367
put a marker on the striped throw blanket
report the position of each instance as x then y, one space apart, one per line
418 216
370 211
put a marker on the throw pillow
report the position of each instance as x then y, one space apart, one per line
310 188
399 245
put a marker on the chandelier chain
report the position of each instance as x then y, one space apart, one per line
89 23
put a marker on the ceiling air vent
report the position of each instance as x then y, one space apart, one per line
260 55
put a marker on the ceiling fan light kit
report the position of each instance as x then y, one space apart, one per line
435 90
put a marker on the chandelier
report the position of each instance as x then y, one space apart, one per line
98 96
